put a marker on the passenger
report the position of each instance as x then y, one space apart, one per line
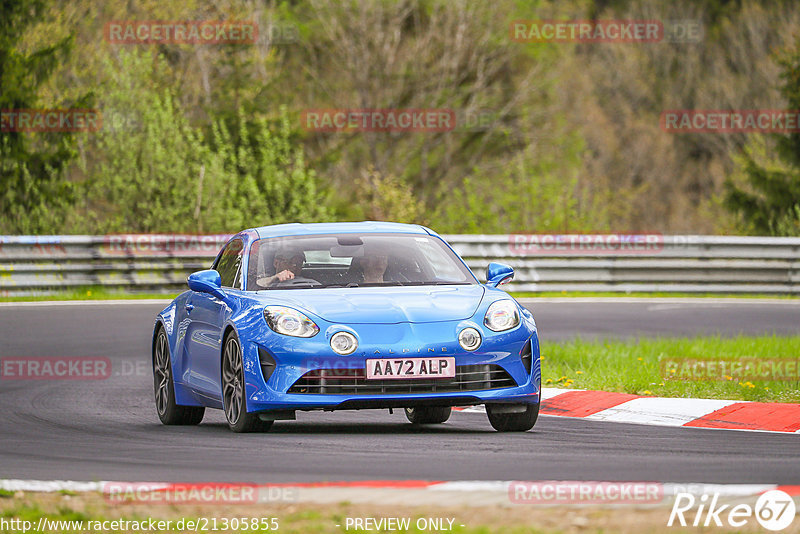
374 268
370 269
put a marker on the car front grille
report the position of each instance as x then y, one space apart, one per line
354 382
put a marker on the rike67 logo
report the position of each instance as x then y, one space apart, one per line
774 510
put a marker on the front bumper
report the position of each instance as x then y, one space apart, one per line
522 395
294 358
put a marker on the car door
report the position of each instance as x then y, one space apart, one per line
207 315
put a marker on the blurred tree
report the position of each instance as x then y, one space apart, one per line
529 192
767 196
260 176
423 54
550 137
386 198
153 171
34 192
144 166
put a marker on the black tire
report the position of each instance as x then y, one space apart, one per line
168 411
428 415
234 400
513 422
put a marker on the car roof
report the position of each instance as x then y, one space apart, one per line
364 227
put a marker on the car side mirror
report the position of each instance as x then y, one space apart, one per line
498 274
208 281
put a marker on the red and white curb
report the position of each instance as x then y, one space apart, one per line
401 492
662 411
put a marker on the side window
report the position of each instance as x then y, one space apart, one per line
229 265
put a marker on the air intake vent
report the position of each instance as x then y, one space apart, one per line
526 356
267 363
354 382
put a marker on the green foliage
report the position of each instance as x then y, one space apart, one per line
767 194
386 198
635 366
262 177
32 165
207 138
146 159
153 171
531 191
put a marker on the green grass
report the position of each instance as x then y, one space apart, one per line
89 293
32 513
106 293
633 366
294 523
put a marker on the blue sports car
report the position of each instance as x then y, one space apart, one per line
344 316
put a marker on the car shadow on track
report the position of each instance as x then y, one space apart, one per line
351 428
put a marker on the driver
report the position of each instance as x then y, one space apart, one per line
288 265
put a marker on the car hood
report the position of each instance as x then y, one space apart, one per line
375 305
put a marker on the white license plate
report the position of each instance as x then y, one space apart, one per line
411 368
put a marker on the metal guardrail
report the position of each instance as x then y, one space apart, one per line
618 263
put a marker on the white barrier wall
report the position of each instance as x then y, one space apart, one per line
610 262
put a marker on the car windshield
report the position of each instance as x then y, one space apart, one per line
353 260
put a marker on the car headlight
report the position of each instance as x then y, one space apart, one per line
502 315
344 343
469 339
289 322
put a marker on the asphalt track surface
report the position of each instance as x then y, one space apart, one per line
108 429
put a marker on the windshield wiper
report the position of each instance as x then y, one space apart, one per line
296 286
392 283
435 283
